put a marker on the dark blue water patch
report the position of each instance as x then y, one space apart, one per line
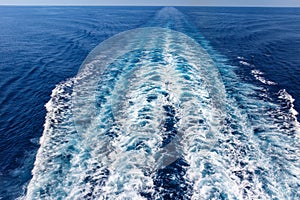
151 98
169 182
113 130
170 130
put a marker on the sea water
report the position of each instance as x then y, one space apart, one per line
149 103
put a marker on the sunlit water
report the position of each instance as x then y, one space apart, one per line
156 112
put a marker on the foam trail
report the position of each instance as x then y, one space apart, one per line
135 129
115 149
149 97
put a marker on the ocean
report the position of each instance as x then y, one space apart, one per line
149 103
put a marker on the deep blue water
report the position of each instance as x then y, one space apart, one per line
232 118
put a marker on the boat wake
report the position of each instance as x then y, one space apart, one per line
152 115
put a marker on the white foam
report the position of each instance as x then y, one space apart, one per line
52 142
245 63
259 76
283 94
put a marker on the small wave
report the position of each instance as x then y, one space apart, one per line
245 63
285 96
259 76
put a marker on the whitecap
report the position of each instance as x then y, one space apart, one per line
259 76
244 63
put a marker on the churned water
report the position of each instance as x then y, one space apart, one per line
149 103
